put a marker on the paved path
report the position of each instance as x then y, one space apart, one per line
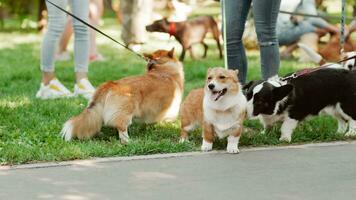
317 172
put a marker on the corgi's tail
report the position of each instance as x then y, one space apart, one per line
86 124
315 57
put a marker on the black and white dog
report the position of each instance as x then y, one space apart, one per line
329 90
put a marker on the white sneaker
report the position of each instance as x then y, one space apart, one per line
84 88
53 90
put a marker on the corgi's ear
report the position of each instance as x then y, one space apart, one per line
165 19
209 69
147 55
234 74
171 53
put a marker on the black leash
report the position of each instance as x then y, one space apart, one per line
311 70
99 31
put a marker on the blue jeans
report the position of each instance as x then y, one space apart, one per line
265 16
56 23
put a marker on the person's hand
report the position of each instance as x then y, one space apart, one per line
294 20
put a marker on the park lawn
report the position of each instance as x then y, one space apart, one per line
29 128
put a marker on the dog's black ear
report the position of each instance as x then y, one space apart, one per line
248 85
171 53
281 92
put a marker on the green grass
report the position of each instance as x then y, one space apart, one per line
29 128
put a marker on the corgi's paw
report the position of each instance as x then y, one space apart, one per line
233 144
206 146
232 149
285 138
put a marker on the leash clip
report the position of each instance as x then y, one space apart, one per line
287 78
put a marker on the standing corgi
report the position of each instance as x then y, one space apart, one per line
219 107
152 97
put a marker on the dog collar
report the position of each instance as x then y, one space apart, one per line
172 29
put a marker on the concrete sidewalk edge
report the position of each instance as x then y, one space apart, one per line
165 156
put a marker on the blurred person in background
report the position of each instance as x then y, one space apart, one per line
292 29
136 14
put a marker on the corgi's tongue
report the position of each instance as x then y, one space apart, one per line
215 95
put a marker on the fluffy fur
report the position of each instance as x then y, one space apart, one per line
328 91
152 97
219 107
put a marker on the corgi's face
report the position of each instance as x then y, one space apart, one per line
221 82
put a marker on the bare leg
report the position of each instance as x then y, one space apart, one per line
47 77
95 13
80 75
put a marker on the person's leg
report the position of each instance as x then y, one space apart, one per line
265 15
56 22
81 49
236 13
65 37
81 38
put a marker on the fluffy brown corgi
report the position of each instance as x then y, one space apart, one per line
152 97
219 107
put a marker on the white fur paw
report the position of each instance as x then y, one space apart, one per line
342 128
206 146
67 131
232 149
233 144
350 133
124 137
285 139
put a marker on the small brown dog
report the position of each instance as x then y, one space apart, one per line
152 97
189 32
219 107
331 51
